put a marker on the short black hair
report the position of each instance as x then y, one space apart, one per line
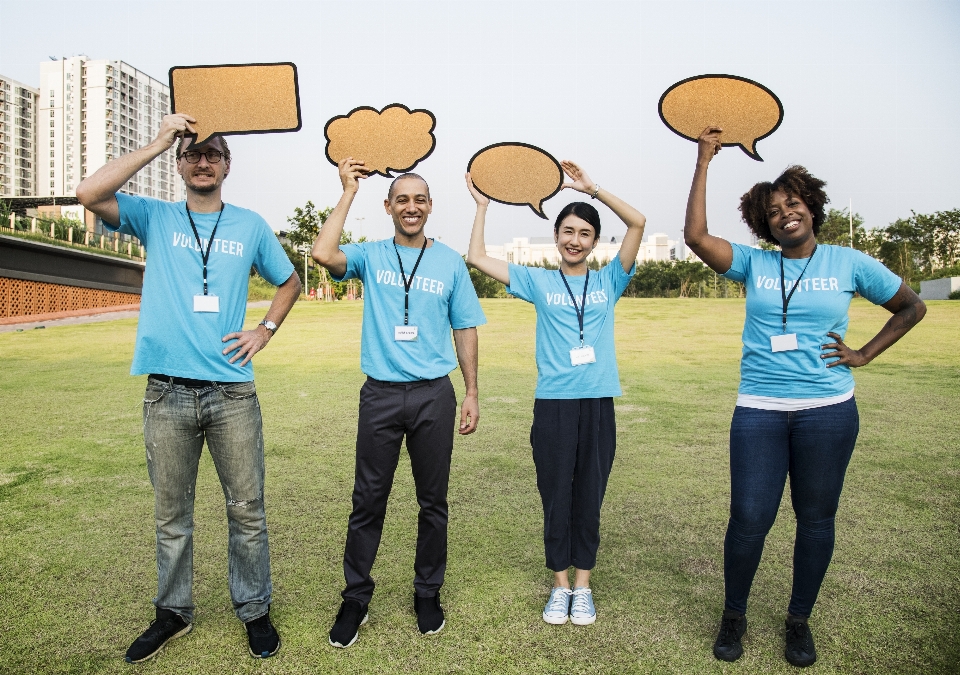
583 211
796 181
223 144
407 175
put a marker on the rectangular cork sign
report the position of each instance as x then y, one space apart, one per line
253 98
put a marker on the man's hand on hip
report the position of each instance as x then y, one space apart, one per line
248 343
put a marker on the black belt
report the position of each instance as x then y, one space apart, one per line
409 385
183 381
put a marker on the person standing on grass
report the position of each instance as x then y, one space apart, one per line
796 414
415 291
574 433
192 346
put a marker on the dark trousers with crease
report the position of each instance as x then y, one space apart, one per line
574 442
425 412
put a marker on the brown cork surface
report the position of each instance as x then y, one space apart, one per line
394 139
745 110
237 99
516 173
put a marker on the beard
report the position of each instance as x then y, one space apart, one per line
202 189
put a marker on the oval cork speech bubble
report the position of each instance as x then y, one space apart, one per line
516 173
745 110
393 139
251 98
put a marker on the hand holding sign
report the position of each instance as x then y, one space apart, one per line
745 110
393 139
516 173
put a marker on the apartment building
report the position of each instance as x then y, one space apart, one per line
18 138
93 111
529 250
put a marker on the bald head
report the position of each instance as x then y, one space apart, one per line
407 176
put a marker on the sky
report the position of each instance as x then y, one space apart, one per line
870 90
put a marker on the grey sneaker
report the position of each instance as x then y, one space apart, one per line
557 610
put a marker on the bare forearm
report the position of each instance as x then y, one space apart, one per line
896 327
284 299
326 248
634 220
102 186
466 342
716 252
477 253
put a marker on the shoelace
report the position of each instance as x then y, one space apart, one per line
581 602
798 631
728 630
260 629
158 627
559 601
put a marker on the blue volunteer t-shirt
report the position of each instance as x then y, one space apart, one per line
172 339
818 306
558 330
441 297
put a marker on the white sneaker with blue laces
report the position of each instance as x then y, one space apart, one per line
582 611
557 610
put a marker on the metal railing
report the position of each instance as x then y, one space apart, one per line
72 233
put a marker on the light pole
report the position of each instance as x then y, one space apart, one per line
306 283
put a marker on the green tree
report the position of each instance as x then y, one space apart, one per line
836 228
305 224
485 286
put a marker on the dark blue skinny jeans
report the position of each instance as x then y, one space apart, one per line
812 447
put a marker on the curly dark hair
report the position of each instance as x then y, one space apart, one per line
796 181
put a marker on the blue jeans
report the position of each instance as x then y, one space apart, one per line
813 448
176 420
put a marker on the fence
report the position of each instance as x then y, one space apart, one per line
73 233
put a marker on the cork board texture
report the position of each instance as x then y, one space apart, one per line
516 173
254 98
745 110
394 139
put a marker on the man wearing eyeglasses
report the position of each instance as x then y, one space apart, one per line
192 346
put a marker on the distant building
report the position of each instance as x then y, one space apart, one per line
91 112
529 250
18 138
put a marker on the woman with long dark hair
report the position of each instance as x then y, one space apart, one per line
796 415
574 431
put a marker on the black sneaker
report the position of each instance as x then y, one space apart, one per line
346 628
263 637
167 626
732 627
429 614
800 650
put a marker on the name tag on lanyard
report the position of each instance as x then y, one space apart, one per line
787 342
405 333
206 303
581 356
584 354
783 343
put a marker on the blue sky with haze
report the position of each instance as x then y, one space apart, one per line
871 93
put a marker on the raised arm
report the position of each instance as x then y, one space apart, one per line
716 252
633 219
98 192
326 248
477 253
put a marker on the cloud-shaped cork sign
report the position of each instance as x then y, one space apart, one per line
516 173
252 98
745 110
394 139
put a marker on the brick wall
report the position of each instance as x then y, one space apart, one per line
24 298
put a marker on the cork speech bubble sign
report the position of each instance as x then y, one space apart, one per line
394 139
516 173
253 98
745 110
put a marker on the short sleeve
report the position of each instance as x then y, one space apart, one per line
271 261
739 268
521 282
134 217
873 280
615 277
465 311
356 262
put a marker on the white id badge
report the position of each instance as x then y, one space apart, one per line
783 343
580 356
206 303
405 333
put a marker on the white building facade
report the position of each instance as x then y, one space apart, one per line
540 250
18 138
93 111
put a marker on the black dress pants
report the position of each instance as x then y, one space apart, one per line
574 442
425 412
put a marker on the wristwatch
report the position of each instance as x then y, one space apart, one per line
270 326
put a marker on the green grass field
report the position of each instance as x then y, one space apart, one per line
77 568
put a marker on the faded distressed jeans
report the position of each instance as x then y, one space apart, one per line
176 420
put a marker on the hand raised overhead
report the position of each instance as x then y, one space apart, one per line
581 181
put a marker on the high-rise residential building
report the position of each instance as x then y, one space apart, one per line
18 138
93 111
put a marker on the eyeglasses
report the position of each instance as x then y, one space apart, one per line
193 156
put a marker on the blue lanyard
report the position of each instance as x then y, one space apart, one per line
204 253
583 303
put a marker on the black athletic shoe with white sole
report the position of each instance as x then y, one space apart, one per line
167 626
799 649
346 628
430 619
262 637
732 627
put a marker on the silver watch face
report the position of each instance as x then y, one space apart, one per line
269 325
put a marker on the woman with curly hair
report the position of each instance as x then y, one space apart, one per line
796 415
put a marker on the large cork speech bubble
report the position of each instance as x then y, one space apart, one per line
745 110
394 139
516 173
246 98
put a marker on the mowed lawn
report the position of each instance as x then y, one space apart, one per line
77 568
